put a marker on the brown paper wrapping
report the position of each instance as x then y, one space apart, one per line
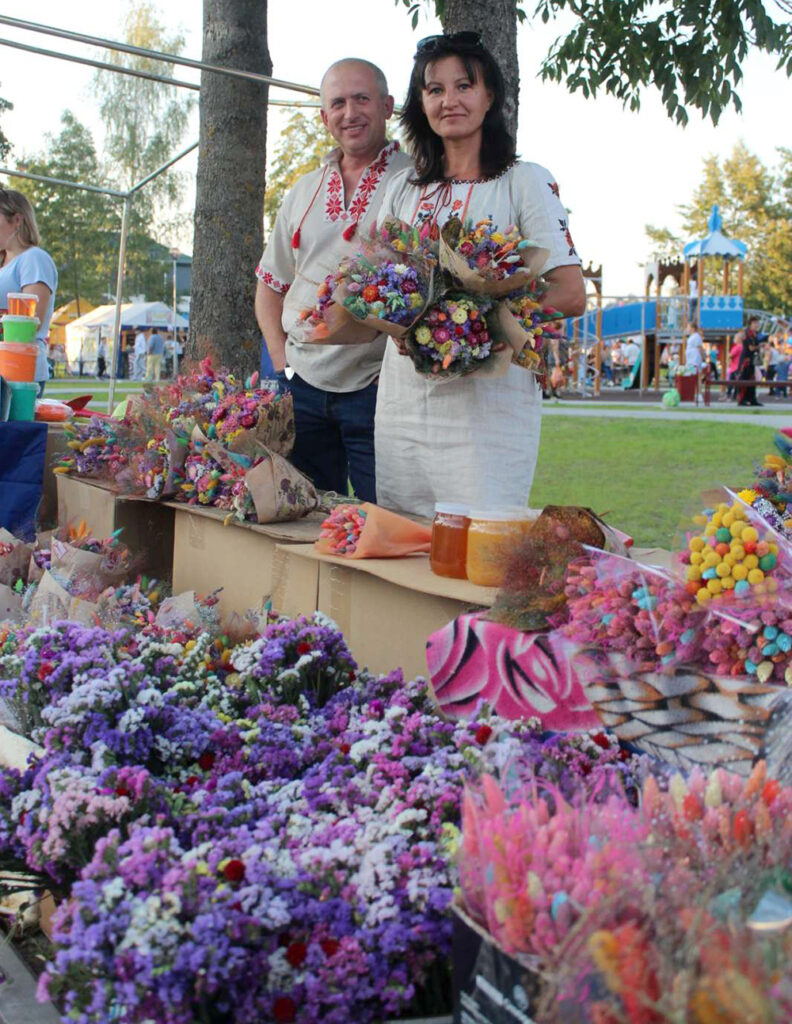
274 429
14 565
533 259
384 535
10 604
279 491
52 602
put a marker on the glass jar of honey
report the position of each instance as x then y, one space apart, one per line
490 535
448 553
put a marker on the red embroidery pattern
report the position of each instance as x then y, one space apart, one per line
367 186
456 205
553 186
566 233
269 278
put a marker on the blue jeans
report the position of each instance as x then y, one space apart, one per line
335 436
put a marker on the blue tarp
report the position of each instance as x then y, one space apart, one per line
23 448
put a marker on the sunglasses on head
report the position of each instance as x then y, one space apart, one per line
430 44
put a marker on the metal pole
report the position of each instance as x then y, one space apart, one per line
103 65
163 167
167 58
61 181
119 290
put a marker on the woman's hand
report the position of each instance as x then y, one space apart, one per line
401 346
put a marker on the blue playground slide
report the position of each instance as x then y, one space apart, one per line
718 312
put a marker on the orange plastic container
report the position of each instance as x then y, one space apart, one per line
22 303
18 360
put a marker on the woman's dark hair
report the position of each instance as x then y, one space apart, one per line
498 150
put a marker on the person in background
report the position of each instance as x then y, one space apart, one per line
26 267
733 365
154 351
140 351
749 357
694 348
325 217
101 358
782 367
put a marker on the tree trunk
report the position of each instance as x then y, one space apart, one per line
496 21
229 199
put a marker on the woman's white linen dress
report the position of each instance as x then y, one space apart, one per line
471 440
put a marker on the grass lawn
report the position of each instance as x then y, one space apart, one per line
646 475
64 390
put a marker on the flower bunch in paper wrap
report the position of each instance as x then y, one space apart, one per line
468 328
368 531
530 327
98 448
383 288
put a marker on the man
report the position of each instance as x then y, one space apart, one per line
101 358
323 219
141 348
694 348
156 346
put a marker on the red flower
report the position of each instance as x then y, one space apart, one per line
483 733
330 946
344 748
122 791
206 761
601 740
191 780
46 668
304 648
743 828
692 807
284 1010
234 870
770 791
296 953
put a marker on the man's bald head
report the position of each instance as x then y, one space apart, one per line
350 62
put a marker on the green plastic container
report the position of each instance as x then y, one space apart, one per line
19 328
23 400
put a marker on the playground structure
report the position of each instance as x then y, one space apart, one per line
707 296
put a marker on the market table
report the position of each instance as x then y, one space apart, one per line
147 525
248 560
385 607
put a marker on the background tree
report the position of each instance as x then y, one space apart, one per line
691 51
302 144
230 185
76 227
756 206
5 145
145 123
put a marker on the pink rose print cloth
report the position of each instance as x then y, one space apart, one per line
522 675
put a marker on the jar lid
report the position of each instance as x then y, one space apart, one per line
449 508
501 515
16 318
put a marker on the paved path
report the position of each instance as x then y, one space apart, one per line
783 418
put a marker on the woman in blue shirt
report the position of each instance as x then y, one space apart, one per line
24 267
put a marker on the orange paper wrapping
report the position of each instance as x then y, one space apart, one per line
384 535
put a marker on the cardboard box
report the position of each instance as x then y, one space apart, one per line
147 525
248 560
490 987
388 607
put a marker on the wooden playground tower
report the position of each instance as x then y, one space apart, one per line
716 309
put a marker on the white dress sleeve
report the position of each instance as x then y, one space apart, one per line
542 216
395 191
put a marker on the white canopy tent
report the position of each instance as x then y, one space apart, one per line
83 334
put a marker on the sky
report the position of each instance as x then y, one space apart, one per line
617 170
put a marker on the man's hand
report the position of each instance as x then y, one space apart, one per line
269 314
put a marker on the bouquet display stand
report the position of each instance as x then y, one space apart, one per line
147 525
385 607
248 560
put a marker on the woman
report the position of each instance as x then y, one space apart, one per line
24 267
472 440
